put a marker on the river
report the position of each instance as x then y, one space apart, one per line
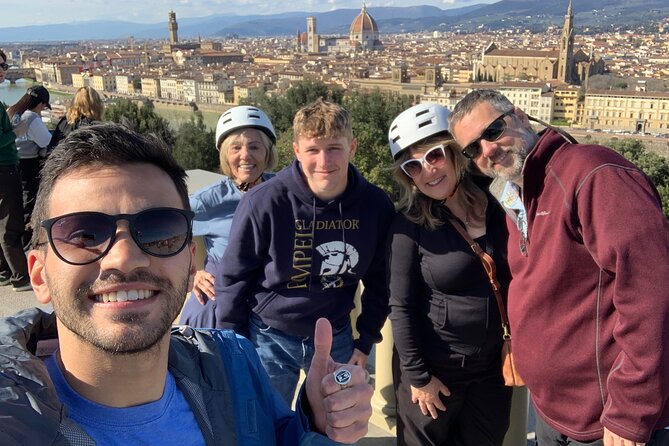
10 93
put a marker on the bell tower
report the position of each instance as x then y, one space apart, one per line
312 36
566 57
173 27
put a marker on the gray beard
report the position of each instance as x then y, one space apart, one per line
529 140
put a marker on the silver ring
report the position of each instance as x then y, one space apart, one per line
342 377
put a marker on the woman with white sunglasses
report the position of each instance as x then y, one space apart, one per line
445 320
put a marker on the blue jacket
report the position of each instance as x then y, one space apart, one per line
214 207
218 372
292 258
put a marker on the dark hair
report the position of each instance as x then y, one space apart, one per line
103 145
27 102
3 55
465 106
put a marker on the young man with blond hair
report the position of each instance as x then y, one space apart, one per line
299 245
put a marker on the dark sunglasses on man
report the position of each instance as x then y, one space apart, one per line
497 128
492 133
4 66
81 238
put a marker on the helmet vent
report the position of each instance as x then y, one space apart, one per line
422 112
424 123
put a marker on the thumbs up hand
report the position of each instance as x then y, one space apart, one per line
341 412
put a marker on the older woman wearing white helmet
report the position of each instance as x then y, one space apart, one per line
245 139
445 320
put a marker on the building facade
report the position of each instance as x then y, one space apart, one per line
364 32
561 65
627 111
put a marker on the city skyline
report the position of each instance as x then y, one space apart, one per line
50 12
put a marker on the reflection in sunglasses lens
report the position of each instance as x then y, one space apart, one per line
161 232
491 133
85 237
433 156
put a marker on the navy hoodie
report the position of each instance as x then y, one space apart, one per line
292 258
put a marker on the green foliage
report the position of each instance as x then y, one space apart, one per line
371 115
142 119
194 145
373 158
653 165
560 122
282 108
284 147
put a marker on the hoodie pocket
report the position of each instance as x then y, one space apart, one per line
264 301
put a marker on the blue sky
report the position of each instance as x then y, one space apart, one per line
42 12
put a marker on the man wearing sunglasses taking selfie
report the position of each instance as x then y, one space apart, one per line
589 255
114 256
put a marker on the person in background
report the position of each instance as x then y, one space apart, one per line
589 255
114 255
13 265
445 319
32 146
246 142
86 109
299 246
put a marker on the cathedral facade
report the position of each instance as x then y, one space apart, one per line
562 65
363 36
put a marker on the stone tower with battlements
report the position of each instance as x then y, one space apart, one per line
173 27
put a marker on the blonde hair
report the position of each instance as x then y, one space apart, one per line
86 103
419 208
271 156
322 119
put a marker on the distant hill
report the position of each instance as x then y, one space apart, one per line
535 15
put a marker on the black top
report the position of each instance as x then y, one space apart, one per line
441 301
64 128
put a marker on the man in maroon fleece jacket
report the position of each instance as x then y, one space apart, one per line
589 299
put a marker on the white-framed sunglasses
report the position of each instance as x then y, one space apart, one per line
433 157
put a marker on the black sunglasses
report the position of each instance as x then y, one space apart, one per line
492 133
85 237
434 157
4 66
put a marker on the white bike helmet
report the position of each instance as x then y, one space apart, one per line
242 117
416 123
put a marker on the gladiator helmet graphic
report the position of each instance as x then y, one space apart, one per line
338 258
